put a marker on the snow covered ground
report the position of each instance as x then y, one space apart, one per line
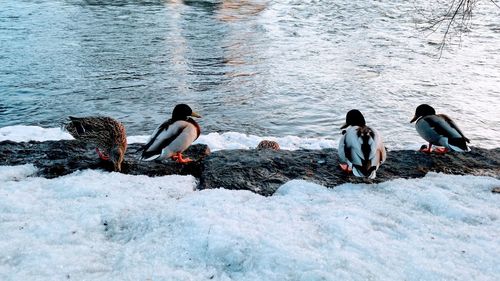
95 225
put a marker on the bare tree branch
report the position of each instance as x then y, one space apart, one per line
495 3
454 20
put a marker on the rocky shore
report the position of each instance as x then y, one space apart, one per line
260 171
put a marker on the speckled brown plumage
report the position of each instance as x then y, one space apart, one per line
267 144
106 133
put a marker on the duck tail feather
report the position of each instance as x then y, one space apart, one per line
149 155
458 144
365 172
358 171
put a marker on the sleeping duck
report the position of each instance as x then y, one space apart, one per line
174 136
438 129
107 134
361 149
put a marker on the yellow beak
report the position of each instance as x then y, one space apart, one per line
194 114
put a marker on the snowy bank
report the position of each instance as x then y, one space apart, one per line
95 225
83 223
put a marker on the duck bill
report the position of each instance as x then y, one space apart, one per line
194 114
344 126
117 166
414 119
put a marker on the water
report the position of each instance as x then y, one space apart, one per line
258 67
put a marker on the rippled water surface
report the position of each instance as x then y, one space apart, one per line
259 67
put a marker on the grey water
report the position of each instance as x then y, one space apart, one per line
268 68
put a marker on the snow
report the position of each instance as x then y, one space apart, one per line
21 133
233 140
216 141
94 225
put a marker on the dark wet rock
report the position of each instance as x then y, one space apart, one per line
261 171
58 158
496 190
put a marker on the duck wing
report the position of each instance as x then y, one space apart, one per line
438 130
343 151
75 126
81 127
101 130
161 137
350 147
454 126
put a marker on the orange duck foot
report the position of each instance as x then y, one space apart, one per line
426 149
101 155
345 168
440 150
178 158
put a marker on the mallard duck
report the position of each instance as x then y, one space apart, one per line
439 130
174 136
361 149
105 132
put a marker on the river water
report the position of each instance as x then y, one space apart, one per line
259 67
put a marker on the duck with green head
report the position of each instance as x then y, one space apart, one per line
173 136
361 149
439 130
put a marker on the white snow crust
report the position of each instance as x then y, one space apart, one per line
94 225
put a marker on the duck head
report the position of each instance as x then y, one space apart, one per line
116 155
422 111
354 118
182 112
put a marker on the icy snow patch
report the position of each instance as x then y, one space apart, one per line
16 173
233 140
21 133
108 226
216 141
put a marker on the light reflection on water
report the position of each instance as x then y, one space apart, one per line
259 67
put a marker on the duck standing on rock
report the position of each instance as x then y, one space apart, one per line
105 132
361 149
438 129
174 136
